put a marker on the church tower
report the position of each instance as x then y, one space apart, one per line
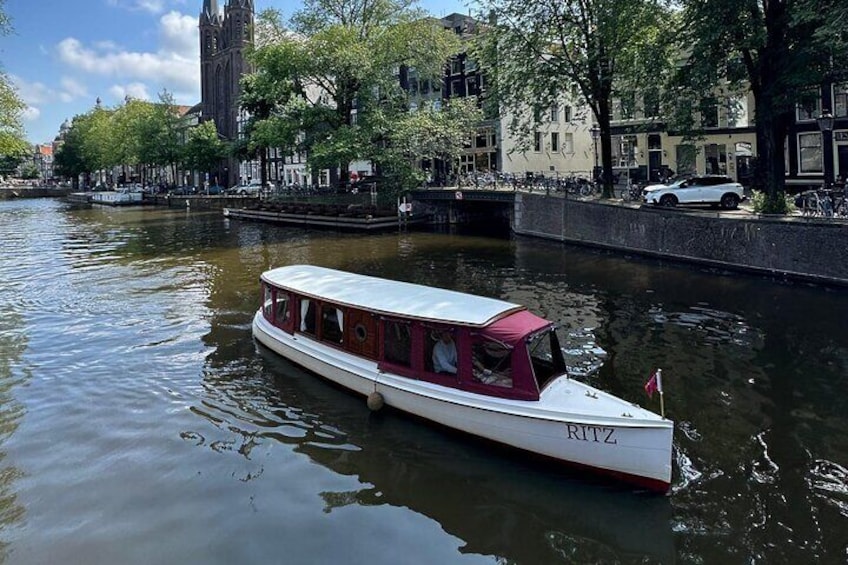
224 39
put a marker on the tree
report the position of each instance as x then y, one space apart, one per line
338 56
12 137
427 134
203 149
535 52
780 49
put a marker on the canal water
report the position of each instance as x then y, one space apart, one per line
140 423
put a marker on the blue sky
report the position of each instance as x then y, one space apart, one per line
64 54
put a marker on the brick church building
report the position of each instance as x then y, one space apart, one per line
224 38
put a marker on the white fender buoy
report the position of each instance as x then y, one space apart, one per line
375 401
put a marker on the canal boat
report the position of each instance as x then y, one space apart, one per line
478 365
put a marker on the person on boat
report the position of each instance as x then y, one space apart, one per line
444 354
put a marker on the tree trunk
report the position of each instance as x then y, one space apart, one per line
770 175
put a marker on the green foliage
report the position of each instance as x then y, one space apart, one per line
336 56
29 172
203 149
764 203
137 133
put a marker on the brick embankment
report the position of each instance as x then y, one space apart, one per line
800 248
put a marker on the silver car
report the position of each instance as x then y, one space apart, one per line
720 190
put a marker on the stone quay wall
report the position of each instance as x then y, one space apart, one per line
812 249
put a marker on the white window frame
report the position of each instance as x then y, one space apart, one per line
840 90
555 147
810 135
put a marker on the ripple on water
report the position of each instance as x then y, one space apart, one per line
829 481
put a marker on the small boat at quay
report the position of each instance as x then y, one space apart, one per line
478 365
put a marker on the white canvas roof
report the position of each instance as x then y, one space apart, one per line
405 300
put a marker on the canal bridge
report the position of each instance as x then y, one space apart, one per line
466 205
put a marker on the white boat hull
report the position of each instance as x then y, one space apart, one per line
635 446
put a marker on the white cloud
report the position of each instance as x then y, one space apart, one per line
31 113
35 94
175 65
135 90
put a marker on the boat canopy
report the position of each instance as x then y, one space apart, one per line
512 329
405 300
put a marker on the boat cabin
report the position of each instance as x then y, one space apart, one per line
457 340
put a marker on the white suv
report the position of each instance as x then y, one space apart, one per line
720 190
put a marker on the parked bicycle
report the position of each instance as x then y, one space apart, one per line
631 192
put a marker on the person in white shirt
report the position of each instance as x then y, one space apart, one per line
444 355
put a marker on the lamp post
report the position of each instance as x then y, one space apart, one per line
825 122
596 134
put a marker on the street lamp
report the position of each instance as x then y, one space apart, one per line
596 134
825 122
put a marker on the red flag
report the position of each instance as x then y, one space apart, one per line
654 384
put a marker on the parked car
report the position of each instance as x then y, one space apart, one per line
711 189
253 188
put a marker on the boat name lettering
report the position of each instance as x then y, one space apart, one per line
595 434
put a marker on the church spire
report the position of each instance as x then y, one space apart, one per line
210 11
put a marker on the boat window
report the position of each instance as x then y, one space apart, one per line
397 343
546 356
268 302
307 316
440 352
332 323
281 309
491 362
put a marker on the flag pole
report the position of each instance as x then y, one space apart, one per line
660 390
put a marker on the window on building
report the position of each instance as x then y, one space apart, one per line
685 160
537 141
470 86
568 142
554 141
737 112
456 66
810 108
709 113
566 113
810 152
456 88
481 140
715 159
840 100
554 112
